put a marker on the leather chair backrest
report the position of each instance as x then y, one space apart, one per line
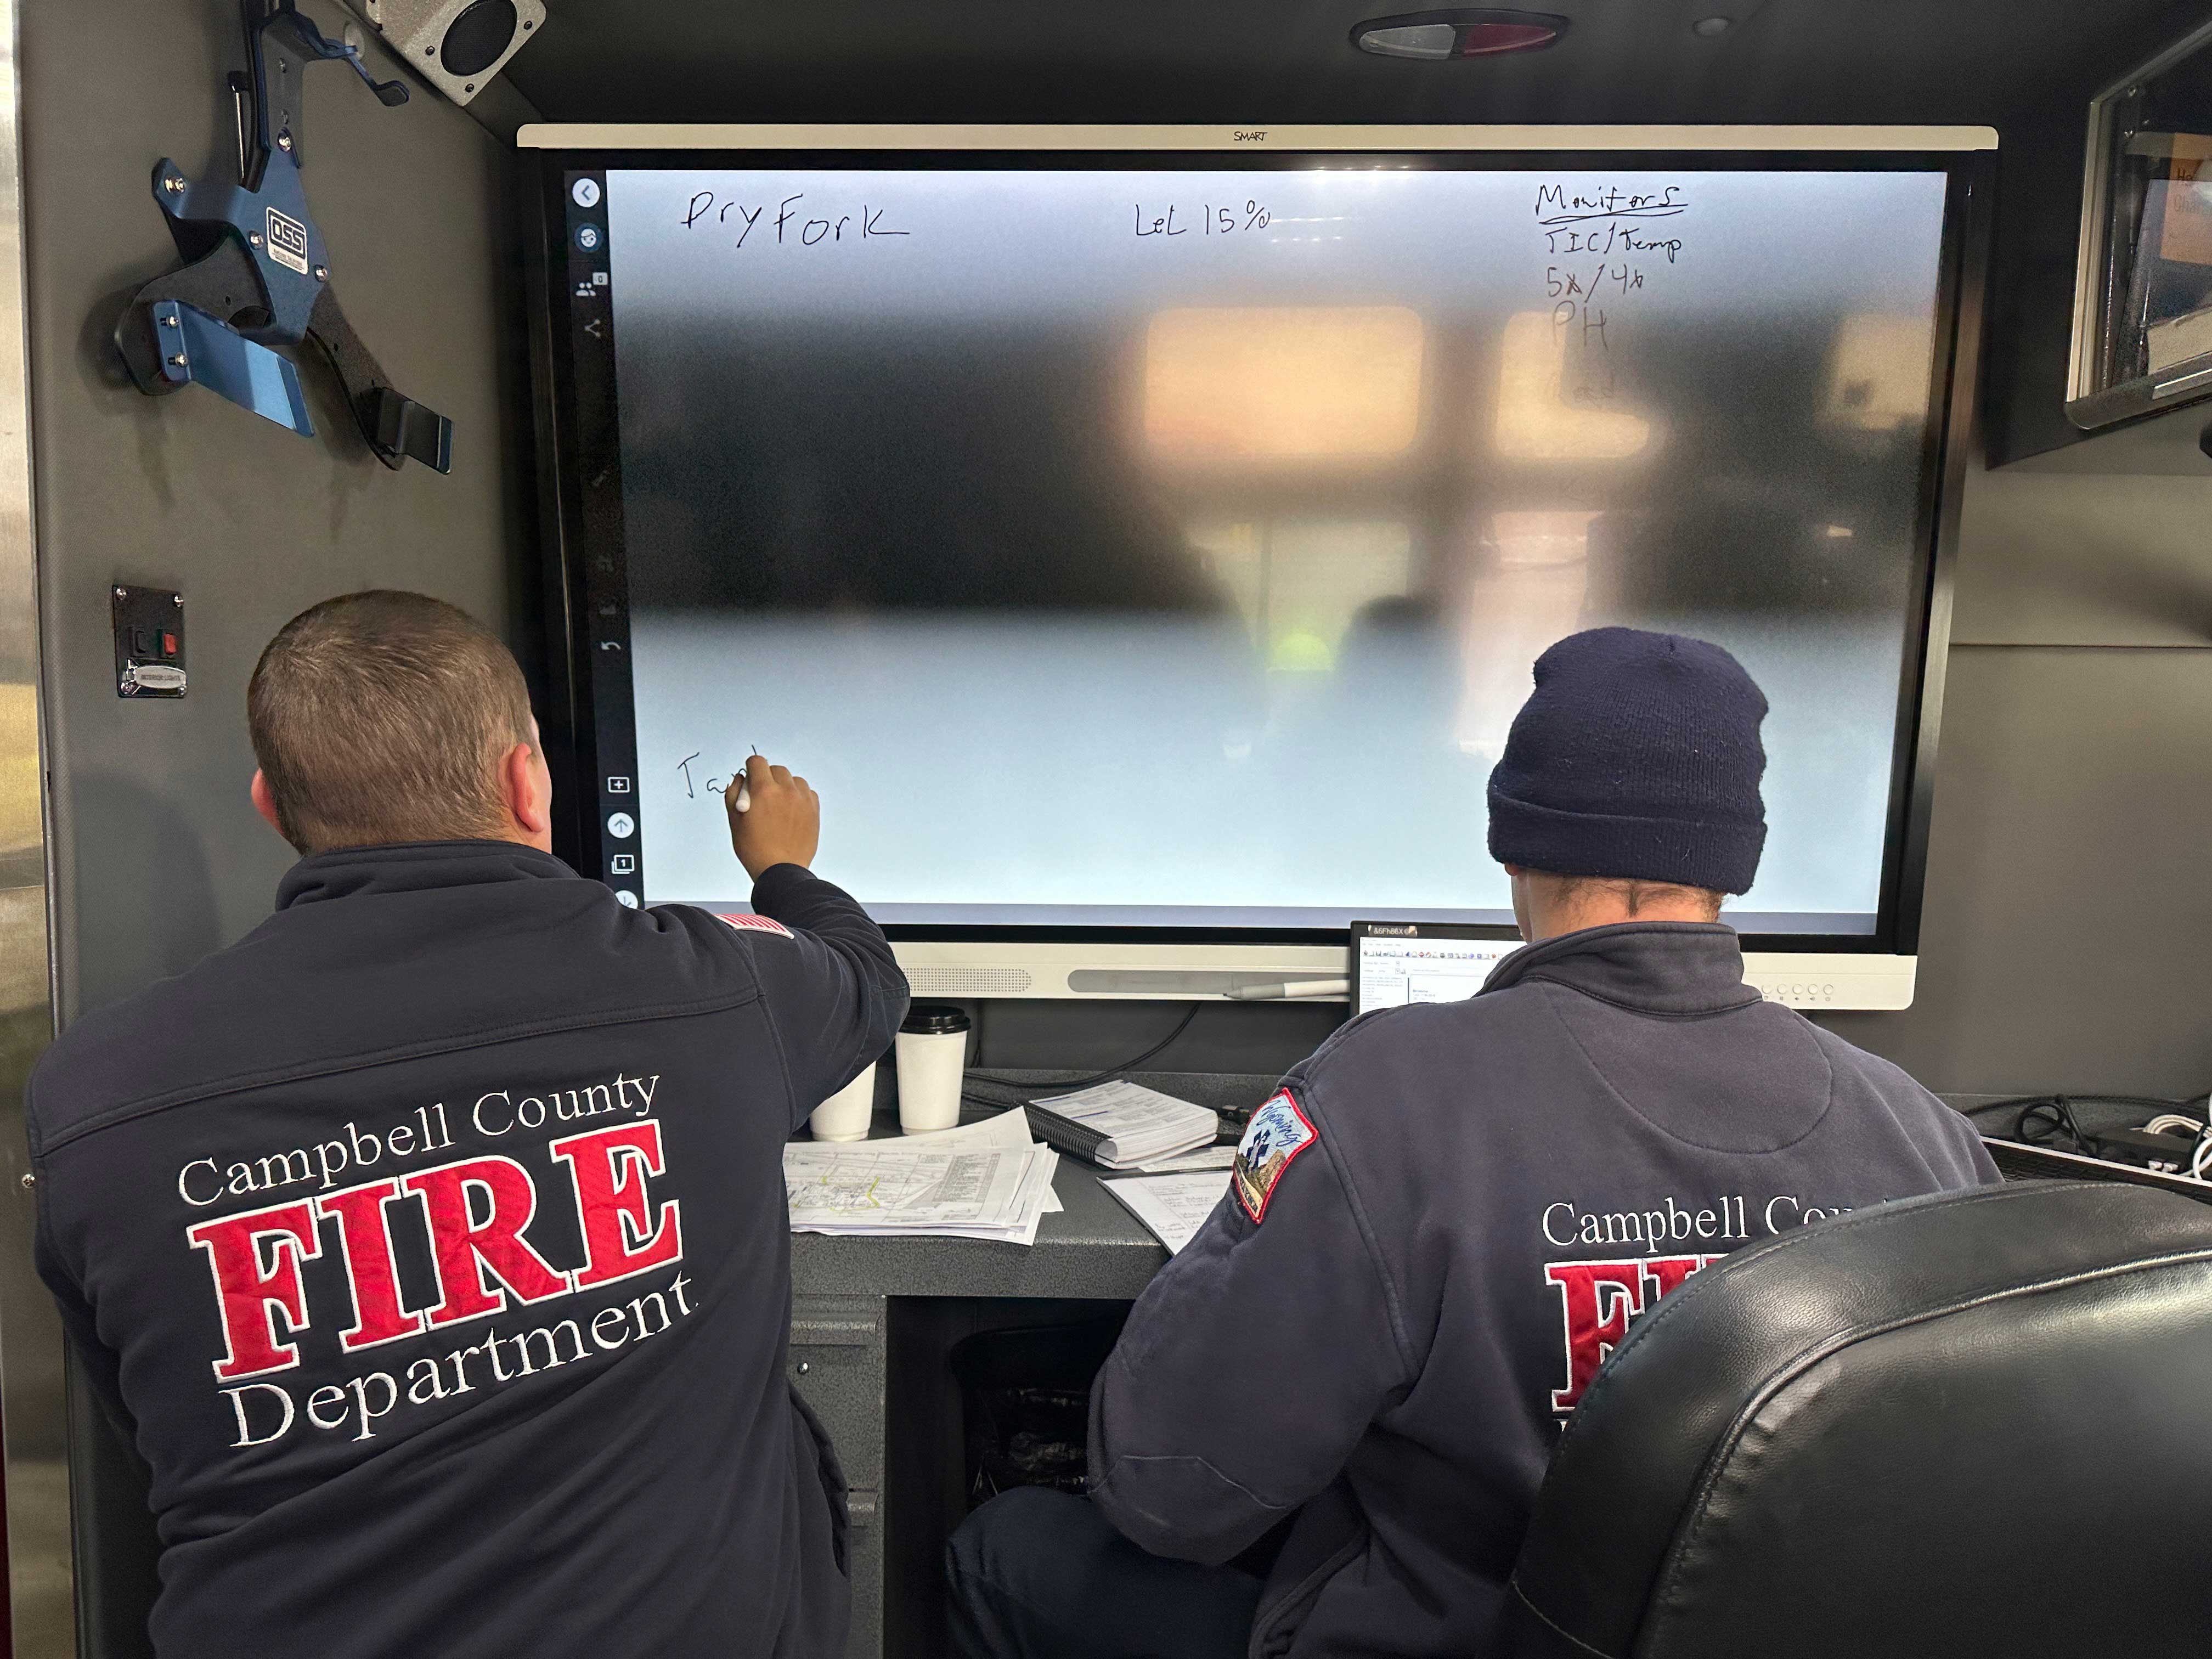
1979 1422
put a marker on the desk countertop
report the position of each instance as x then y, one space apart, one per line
1093 1249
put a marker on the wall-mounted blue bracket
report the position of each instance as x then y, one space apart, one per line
257 270
197 348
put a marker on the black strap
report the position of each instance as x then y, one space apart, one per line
396 427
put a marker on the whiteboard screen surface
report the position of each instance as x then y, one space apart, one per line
1169 547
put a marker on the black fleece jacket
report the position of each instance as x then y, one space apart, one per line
431 1242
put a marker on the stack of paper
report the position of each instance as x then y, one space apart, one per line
1173 1207
983 1181
1205 1158
2178 339
1121 1125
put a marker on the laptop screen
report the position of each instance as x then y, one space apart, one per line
1395 962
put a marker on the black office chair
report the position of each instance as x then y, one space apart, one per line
1979 1423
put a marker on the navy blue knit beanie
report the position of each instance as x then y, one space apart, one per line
1638 756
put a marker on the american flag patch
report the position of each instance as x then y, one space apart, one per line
755 924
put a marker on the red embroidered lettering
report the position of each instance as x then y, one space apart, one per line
253 1285
1600 1300
476 1258
622 1234
365 1241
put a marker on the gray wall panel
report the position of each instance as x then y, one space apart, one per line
160 857
2053 552
2068 938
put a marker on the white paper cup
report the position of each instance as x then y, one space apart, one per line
931 1064
846 1114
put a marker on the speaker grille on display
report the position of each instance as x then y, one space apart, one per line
478 37
969 981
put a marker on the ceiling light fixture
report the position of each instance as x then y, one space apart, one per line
1438 36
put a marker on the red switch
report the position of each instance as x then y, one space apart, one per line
168 645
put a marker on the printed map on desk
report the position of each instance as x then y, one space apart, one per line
947 1188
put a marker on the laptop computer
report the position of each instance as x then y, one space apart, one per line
1395 962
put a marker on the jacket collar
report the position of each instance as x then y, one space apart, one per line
413 867
1652 967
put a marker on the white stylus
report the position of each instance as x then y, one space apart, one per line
1291 988
744 799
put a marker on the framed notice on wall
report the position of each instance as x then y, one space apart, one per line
2142 316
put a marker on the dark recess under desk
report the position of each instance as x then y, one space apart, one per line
874 1319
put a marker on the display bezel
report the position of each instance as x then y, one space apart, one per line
589 719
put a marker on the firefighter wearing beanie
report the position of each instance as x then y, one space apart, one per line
1324 1426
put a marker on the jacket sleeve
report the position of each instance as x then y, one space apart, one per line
98 1364
1249 1369
1977 1167
833 991
95 1361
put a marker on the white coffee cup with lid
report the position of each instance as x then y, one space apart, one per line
846 1114
932 1058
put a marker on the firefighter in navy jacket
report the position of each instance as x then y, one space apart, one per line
1323 1428
430 1242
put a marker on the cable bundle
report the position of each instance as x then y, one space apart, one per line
2049 1120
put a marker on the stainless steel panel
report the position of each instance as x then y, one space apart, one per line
33 1415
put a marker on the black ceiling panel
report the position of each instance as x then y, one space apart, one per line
1254 61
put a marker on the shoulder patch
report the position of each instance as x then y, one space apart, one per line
746 922
1278 1131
